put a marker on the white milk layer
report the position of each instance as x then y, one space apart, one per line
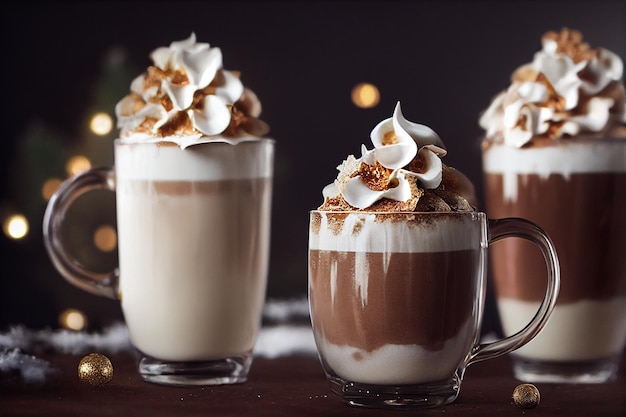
193 264
398 364
214 161
603 324
570 157
365 232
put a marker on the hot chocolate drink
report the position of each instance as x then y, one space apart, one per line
555 153
406 301
574 188
397 269
193 180
191 274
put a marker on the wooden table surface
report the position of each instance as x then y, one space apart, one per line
286 386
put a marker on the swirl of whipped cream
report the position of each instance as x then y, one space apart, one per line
389 169
566 89
187 97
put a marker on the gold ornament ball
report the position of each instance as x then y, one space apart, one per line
526 396
95 369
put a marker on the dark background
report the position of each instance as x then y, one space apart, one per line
444 60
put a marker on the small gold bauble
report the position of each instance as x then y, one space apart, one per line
95 369
526 396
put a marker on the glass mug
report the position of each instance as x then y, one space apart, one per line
397 299
575 188
193 230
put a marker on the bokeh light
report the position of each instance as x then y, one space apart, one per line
105 238
15 226
50 187
72 319
77 164
101 124
365 95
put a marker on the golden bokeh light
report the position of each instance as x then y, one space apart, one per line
105 238
50 187
101 124
15 226
77 164
72 319
365 95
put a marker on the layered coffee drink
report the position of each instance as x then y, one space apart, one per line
395 261
398 271
589 322
194 173
555 153
193 183
399 307
193 235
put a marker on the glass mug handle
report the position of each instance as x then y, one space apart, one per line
104 284
522 228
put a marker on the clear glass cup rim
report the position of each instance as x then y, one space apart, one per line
581 137
392 213
218 140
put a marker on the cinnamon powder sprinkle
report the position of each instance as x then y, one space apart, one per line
390 138
570 42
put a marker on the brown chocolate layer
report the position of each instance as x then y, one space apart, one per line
200 187
418 298
585 216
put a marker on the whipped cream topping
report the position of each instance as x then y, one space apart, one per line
568 88
186 97
404 163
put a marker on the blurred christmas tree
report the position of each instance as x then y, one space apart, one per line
31 291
